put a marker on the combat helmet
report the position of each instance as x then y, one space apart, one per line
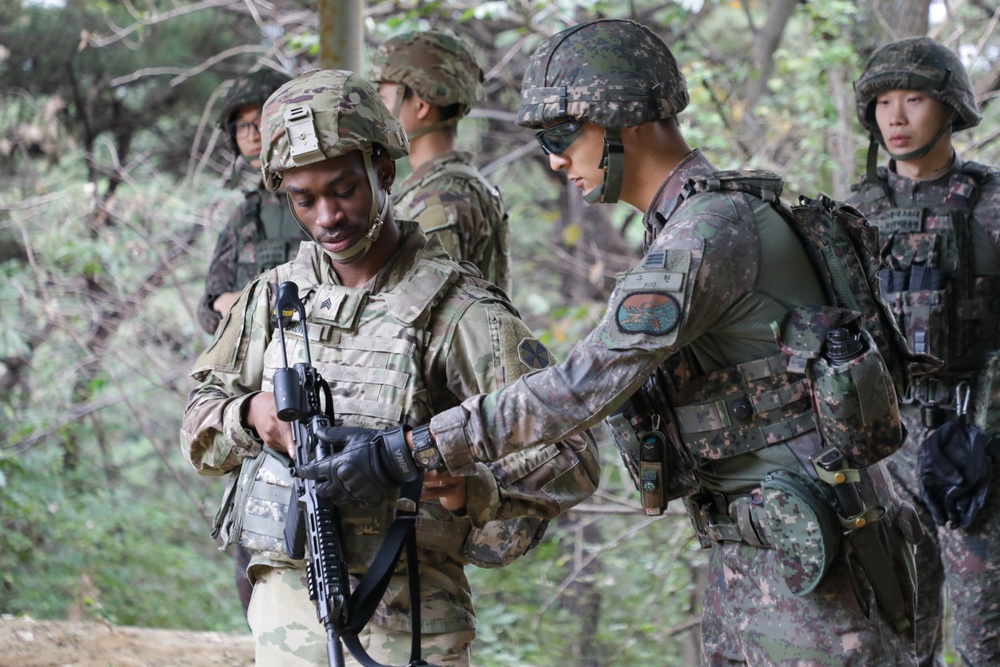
438 67
916 63
252 89
614 73
325 114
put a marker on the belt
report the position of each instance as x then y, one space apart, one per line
720 517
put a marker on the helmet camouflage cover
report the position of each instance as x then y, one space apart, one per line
917 63
438 67
252 89
324 114
614 73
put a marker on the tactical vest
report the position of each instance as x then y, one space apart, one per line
943 307
375 352
496 266
267 236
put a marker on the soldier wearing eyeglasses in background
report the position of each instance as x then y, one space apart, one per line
261 233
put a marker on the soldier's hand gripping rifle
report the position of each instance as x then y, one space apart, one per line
303 398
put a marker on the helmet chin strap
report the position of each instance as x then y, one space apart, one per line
397 108
376 217
613 164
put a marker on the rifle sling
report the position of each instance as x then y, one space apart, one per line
363 602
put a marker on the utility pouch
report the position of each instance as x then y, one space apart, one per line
802 525
229 519
260 504
644 454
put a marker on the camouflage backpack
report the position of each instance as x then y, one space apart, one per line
843 249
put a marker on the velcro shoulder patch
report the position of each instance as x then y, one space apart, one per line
533 354
652 293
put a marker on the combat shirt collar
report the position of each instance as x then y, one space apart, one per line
436 163
908 187
668 196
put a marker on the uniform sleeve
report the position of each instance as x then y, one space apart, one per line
676 293
441 220
490 349
221 276
214 437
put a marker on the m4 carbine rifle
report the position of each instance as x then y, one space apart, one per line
297 398
303 398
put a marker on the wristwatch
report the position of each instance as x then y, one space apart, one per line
425 451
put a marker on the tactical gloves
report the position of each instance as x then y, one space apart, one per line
367 467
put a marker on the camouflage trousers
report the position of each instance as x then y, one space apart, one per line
966 563
286 632
749 616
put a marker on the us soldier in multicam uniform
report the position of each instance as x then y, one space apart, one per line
696 314
429 80
939 225
400 331
261 233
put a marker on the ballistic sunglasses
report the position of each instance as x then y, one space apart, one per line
556 139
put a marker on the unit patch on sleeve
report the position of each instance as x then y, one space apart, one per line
533 354
653 313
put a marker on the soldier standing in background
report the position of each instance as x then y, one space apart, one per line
400 331
688 352
261 233
939 226
429 80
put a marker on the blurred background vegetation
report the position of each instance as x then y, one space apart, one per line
112 191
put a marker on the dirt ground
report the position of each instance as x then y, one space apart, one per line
30 643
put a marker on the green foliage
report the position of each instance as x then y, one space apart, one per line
100 515
102 555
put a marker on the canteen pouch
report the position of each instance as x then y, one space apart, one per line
855 405
802 525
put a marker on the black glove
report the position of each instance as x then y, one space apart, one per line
370 466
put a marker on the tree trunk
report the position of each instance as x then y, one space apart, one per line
765 42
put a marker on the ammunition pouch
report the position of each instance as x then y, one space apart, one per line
255 505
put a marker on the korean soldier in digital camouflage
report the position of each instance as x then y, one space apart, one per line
261 233
688 349
939 225
400 331
430 80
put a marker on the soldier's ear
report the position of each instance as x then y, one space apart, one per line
385 167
